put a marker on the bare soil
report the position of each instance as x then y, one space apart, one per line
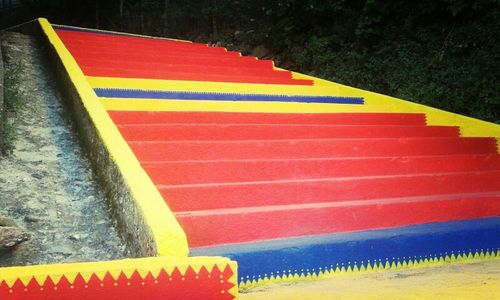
46 184
470 280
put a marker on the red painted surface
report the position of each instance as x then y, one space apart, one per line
217 171
240 177
129 57
310 148
257 193
197 132
139 117
126 72
173 61
245 225
191 285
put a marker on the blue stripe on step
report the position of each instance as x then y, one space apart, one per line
324 252
150 94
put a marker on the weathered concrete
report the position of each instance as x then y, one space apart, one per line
131 224
46 183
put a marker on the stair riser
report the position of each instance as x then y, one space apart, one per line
174 62
187 198
183 71
246 226
152 74
235 171
175 151
122 118
270 132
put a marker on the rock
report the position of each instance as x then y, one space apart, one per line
260 51
11 236
75 237
37 176
7 222
31 219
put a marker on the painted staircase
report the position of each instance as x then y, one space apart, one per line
290 176
284 191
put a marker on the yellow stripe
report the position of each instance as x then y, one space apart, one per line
130 104
167 233
211 87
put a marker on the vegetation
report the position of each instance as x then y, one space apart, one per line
13 102
443 53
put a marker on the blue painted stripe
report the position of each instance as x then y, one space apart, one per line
323 252
182 95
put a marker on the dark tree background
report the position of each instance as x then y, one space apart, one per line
444 53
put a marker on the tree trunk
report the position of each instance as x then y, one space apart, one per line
96 13
121 9
164 16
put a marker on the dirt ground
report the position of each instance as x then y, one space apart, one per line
472 280
46 185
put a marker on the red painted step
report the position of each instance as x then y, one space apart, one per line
154 74
152 51
217 171
123 40
310 148
85 46
173 61
191 69
84 40
263 193
225 226
136 117
82 54
199 132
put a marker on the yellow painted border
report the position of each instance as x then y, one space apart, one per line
114 268
168 235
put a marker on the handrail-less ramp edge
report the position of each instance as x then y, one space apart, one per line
150 227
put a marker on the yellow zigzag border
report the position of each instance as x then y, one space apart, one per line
375 266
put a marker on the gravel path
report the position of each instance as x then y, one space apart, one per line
46 185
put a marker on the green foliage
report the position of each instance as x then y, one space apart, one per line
13 102
13 97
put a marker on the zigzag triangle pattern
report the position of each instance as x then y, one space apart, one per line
190 285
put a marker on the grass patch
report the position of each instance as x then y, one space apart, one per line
13 103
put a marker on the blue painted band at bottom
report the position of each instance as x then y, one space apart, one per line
185 95
324 252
